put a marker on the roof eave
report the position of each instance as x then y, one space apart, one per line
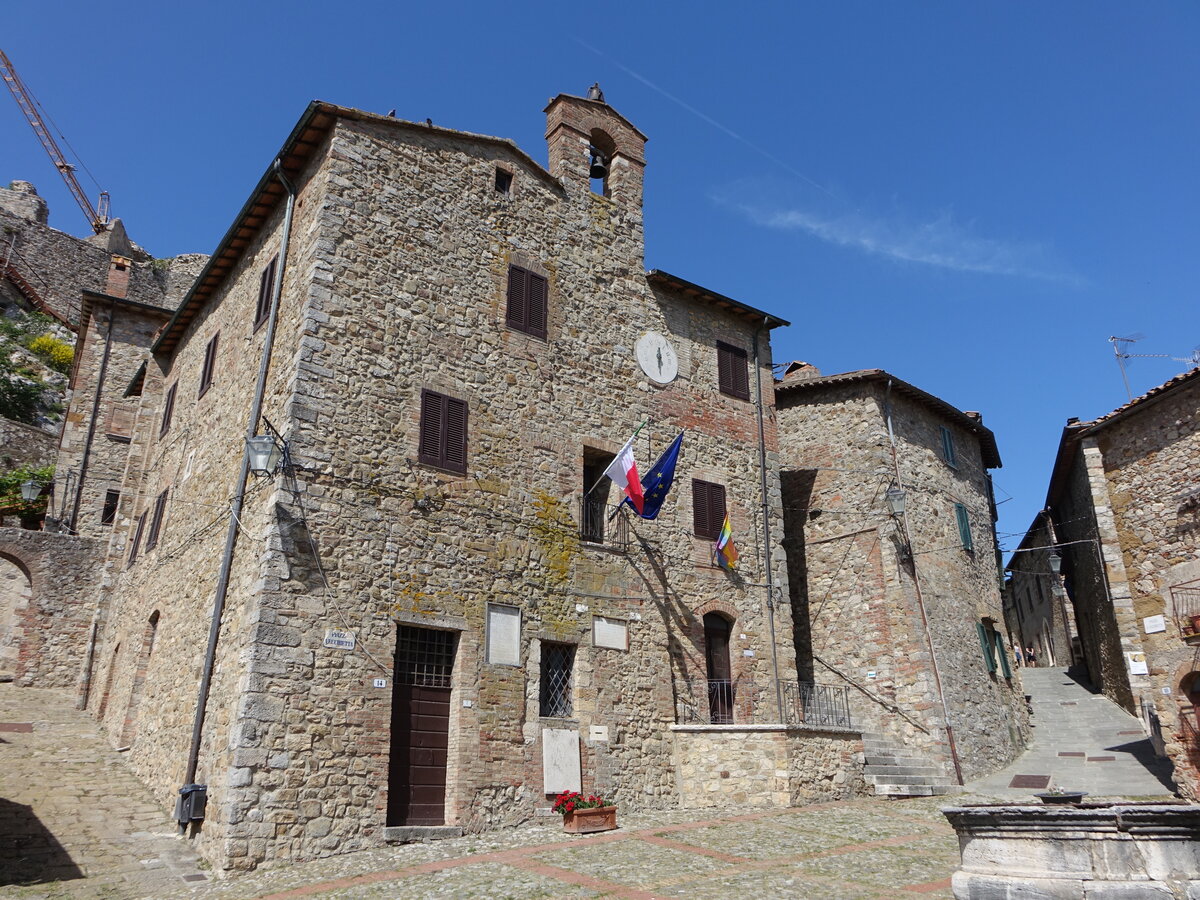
658 276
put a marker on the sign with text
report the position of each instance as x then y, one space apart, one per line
338 640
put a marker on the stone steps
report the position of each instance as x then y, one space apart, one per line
894 772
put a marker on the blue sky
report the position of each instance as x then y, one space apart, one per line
973 196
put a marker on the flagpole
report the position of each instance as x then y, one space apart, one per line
588 493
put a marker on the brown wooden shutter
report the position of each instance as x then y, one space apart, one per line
455 427
429 449
160 506
210 365
537 304
518 309
708 508
168 409
733 375
137 538
266 287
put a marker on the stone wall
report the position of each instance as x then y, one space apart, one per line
51 624
1041 615
24 445
732 767
396 282
855 572
1152 471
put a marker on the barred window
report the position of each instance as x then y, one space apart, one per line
558 661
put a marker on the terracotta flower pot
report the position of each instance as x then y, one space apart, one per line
586 821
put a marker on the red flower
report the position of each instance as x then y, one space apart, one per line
571 806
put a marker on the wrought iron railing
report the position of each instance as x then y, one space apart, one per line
1185 603
742 702
596 528
805 703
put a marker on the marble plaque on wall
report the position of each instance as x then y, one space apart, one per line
560 760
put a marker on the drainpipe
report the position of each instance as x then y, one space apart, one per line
937 675
214 629
87 446
766 520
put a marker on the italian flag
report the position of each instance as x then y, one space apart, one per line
623 471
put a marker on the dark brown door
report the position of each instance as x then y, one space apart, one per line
420 727
716 657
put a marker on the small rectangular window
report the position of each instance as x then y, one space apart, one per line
964 526
210 365
503 181
168 410
554 699
442 438
160 506
109 513
528 295
503 636
733 374
708 508
137 539
266 287
948 453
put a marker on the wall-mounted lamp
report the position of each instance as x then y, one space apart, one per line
1055 562
30 490
895 500
264 452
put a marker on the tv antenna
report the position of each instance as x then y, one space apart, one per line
1120 350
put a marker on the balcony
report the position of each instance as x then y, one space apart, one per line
596 529
1185 605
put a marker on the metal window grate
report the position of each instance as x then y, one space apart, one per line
424 657
558 661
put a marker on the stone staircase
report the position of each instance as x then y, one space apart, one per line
895 772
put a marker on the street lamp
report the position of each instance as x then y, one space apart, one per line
1055 562
30 490
264 453
895 500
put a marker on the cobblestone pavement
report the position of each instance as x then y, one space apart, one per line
74 822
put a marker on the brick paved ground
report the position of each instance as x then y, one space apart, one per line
74 822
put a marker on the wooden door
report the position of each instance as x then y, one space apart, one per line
716 657
420 727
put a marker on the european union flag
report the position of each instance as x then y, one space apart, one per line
657 482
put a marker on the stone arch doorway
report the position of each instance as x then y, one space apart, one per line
16 590
717 632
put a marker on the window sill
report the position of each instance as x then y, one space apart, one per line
119 438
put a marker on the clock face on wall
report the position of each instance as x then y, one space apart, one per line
657 357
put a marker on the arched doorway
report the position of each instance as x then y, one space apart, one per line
717 630
16 590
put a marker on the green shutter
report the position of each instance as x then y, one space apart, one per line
986 645
964 526
1003 654
948 453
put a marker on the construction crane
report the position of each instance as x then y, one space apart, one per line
97 216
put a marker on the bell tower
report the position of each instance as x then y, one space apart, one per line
594 148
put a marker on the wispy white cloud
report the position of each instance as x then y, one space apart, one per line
942 241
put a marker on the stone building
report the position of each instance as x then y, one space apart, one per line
1125 501
113 295
430 617
1037 611
903 606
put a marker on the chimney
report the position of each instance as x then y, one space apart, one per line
800 371
118 276
580 130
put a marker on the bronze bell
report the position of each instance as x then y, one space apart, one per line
599 165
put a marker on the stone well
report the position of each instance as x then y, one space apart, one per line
1084 852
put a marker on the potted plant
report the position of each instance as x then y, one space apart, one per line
584 814
1061 796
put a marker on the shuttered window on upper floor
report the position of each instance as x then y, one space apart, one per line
708 508
442 441
948 453
266 287
168 410
964 526
156 520
528 296
733 371
209 370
